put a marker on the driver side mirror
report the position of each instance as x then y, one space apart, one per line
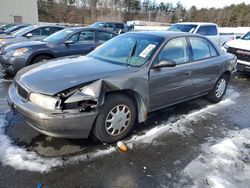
68 42
29 35
165 63
237 37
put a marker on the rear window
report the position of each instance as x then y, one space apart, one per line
208 30
183 28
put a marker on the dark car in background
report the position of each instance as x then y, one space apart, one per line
33 32
112 26
119 84
71 41
7 26
13 29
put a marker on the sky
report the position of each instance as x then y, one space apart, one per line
207 3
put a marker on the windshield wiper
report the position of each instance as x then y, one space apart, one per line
131 53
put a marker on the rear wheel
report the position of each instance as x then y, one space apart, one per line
115 119
219 90
40 58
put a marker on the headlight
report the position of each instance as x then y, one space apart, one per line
19 52
44 101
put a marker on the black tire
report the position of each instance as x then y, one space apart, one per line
112 101
212 97
40 58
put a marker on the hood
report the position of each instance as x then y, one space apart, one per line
55 76
4 36
28 44
240 44
11 39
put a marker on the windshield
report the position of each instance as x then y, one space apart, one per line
183 28
58 36
13 29
6 26
128 49
97 25
246 36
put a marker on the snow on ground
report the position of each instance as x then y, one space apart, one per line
21 159
223 165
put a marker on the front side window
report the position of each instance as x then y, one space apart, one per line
103 36
128 49
44 31
175 50
201 48
84 37
119 26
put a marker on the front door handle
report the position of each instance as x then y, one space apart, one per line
188 73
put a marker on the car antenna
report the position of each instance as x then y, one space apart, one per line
131 53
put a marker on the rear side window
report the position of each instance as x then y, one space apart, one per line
176 50
103 36
202 48
208 30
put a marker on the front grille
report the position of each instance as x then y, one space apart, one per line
243 55
23 92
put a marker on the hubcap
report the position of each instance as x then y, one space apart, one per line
220 88
117 120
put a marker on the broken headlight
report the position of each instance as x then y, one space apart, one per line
45 101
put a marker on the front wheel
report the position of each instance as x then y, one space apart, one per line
115 119
219 90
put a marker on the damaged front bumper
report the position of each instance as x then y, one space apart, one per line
56 123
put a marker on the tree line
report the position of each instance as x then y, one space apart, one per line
89 11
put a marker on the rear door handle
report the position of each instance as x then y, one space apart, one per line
188 73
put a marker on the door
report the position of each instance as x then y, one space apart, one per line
210 31
82 43
207 64
18 19
171 84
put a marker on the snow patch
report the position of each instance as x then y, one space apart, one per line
225 164
178 126
19 158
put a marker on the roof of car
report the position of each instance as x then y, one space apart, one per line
87 28
197 23
165 34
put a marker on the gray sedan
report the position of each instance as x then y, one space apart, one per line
29 33
119 84
71 41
